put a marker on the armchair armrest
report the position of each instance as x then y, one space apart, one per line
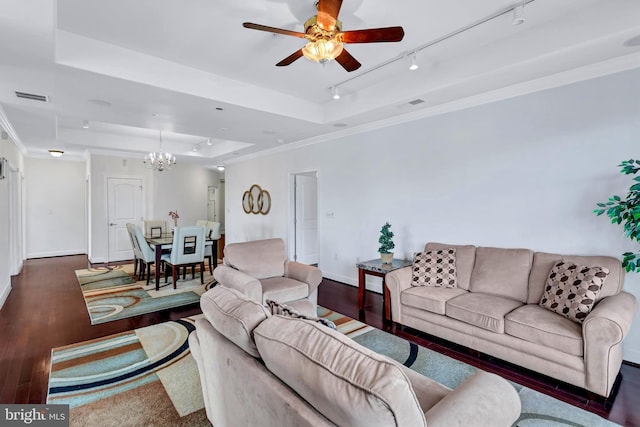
484 399
303 273
397 281
232 278
603 331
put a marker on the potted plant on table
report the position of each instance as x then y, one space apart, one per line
626 211
386 244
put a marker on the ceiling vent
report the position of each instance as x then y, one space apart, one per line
31 96
416 101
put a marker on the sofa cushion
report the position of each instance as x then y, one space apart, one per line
502 272
435 268
234 315
288 311
481 310
283 289
543 262
572 289
540 326
429 298
465 259
346 382
258 258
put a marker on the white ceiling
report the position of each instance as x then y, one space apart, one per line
189 68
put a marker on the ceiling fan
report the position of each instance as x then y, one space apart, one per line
326 38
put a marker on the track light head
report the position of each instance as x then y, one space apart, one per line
414 63
518 14
336 93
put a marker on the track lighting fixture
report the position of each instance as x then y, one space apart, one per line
518 14
209 143
414 64
336 93
85 124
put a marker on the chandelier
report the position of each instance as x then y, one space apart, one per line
159 160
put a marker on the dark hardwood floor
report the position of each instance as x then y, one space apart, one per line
45 309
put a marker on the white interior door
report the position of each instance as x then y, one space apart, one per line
306 218
124 201
212 205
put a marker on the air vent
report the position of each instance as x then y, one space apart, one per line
31 96
416 101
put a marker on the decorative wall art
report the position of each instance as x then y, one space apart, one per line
256 200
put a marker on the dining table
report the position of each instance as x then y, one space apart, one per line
157 241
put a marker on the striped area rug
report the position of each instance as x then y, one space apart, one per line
148 377
112 293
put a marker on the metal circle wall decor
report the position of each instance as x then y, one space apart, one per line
256 200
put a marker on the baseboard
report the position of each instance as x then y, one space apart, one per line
56 253
5 293
631 356
99 260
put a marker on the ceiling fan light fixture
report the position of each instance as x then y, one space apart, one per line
322 50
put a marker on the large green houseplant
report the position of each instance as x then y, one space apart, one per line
626 211
386 244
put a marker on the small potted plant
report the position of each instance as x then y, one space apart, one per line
386 244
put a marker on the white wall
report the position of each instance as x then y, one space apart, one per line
14 158
55 207
524 172
183 188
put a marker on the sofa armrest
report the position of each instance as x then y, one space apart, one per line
397 281
303 273
232 278
603 331
484 399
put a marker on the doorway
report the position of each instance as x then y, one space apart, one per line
124 205
304 224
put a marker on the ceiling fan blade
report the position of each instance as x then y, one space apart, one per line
289 59
347 61
328 13
253 26
373 35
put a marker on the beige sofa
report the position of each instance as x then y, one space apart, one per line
494 309
259 369
260 270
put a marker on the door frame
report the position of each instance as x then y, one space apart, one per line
291 213
16 211
143 211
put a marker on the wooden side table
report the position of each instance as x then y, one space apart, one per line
375 267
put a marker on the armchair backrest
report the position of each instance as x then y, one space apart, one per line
259 258
155 227
188 245
144 250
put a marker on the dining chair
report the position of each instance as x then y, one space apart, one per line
132 237
187 251
155 227
211 245
145 253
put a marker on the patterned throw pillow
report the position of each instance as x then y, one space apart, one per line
435 268
285 310
571 289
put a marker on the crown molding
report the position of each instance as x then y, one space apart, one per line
6 125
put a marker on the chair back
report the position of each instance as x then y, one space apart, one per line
131 230
214 230
188 245
258 258
155 228
147 254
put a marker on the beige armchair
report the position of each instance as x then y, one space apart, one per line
260 270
